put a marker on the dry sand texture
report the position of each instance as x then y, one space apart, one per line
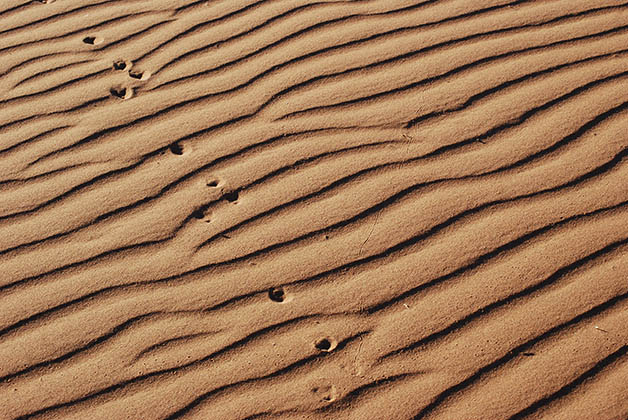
314 209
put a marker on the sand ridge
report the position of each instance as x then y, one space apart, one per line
299 209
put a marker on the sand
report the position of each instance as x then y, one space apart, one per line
314 209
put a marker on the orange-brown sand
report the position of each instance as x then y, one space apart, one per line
314 209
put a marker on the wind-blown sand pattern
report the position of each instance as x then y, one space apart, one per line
300 209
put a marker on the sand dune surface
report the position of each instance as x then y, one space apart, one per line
314 209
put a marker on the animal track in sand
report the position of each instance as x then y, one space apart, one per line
277 294
326 344
325 393
140 75
121 65
122 92
93 40
231 196
198 214
176 149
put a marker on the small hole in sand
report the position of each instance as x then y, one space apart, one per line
92 40
324 344
231 196
198 214
276 294
212 183
119 65
176 149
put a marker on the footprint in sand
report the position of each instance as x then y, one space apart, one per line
176 149
277 294
122 92
121 65
231 196
140 75
93 40
326 393
326 344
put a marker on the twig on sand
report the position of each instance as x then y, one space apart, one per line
370 233
355 360
601 329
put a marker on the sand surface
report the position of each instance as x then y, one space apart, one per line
314 209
